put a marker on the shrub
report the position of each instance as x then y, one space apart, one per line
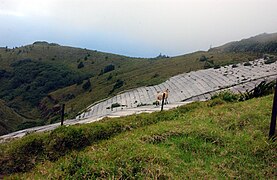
80 65
217 66
109 68
203 58
269 61
63 139
87 85
22 154
114 105
262 89
119 83
247 64
226 96
109 77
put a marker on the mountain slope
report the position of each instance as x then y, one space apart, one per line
9 119
36 78
263 43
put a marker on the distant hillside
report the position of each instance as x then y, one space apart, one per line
263 43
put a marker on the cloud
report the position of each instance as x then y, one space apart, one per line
167 26
11 13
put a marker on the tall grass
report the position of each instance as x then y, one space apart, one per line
227 140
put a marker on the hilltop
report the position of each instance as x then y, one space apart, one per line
262 43
38 77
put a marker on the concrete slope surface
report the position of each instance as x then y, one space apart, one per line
195 85
184 88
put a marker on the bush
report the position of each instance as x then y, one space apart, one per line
109 77
262 89
217 66
119 83
80 65
114 105
269 61
247 64
203 58
226 96
22 155
87 85
63 139
109 68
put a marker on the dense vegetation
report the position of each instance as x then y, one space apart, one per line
199 140
34 80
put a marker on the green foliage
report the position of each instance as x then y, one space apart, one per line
269 61
33 80
263 89
191 141
119 83
64 139
87 85
22 154
80 65
160 56
203 58
109 77
108 68
209 64
247 64
115 105
226 96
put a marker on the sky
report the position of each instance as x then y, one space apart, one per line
137 28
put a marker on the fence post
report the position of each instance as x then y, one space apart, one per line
62 114
274 113
163 102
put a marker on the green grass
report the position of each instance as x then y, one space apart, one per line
227 140
9 119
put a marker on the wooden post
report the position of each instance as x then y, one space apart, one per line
274 114
62 114
163 102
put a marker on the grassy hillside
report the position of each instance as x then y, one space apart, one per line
9 119
37 77
263 43
212 139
